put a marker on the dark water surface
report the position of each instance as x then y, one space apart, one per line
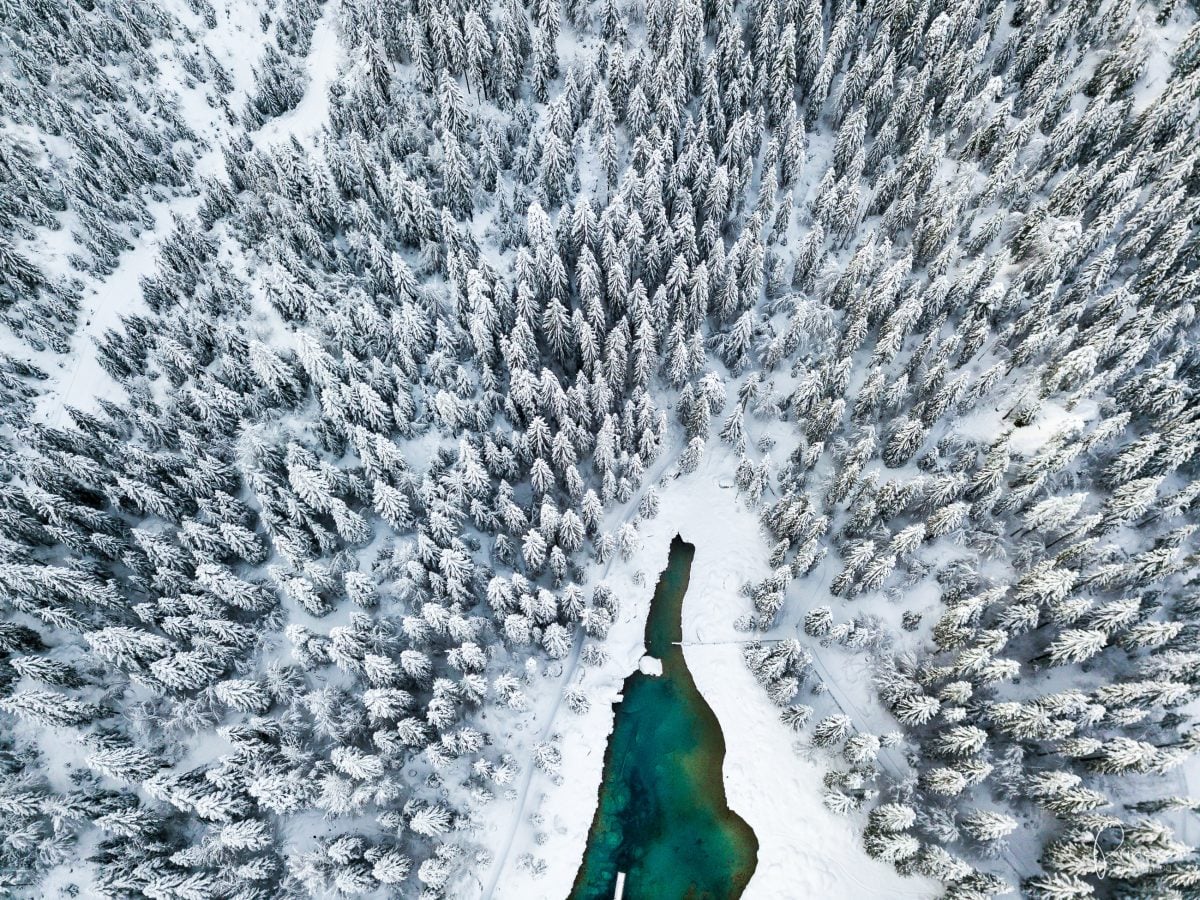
663 818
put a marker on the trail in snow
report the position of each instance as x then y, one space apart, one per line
81 380
666 459
325 55
76 378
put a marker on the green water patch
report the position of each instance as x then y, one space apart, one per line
663 818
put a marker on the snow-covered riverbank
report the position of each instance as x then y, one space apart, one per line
805 851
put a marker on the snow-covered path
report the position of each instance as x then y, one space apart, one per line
76 377
308 118
570 669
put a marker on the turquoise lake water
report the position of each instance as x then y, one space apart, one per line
663 817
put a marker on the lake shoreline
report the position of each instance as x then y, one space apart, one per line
657 717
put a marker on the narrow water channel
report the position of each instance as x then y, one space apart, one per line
663 818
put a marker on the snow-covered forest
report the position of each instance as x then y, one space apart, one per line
359 359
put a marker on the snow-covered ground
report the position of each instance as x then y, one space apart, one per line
773 780
805 850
